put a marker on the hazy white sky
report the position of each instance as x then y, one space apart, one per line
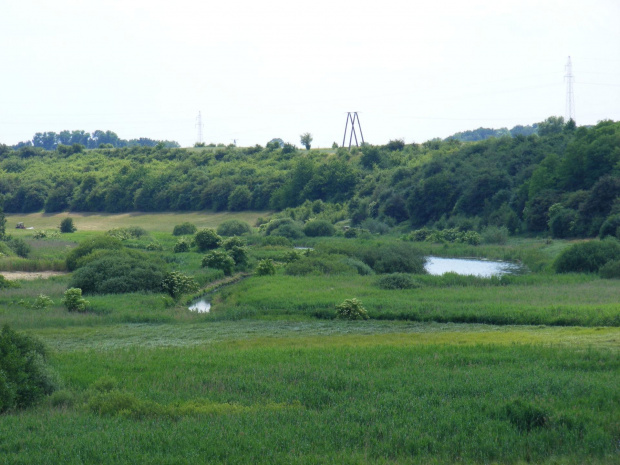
278 68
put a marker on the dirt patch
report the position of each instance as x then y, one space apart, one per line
30 275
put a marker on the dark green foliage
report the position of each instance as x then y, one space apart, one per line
24 375
561 222
610 227
233 228
220 260
396 144
207 239
176 283
397 281
182 245
19 246
240 199
587 257
67 226
235 247
117 274
2 224
88 246
351 309
315 228
184 229
284 227
131 232
6 284
394 258
525 416
495 235
610 270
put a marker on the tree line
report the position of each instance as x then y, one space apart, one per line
51 140
563 181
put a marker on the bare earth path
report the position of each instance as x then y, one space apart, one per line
29 275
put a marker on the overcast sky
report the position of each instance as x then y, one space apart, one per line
259 69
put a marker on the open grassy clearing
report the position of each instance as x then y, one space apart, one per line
105 221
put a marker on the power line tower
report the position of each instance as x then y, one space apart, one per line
352 117
570 97
199 125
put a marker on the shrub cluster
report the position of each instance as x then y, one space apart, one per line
184 229
207 239
131 232
176 283
25 376
74 301
444 235
351 309
86 247
67 226
397 281
233 228
587 257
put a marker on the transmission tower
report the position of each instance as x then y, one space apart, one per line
570 97
352 117
199 125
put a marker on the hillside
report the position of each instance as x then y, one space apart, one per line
565 180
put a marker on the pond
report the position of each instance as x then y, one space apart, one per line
200 306
465 266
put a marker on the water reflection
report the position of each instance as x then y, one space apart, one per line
481 268
200 306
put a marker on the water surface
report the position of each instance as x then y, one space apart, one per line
200 306
465 266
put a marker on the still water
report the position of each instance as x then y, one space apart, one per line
200 306
481 268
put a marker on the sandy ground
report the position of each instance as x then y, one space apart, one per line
14 275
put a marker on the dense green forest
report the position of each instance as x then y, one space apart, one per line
564 180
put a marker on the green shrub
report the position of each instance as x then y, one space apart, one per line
219 260
360 266
610 270
207 239
25 376
351 309
19 246
265 268
117 274
316 228
375 226
495 235
525 416
45 234
394 258
131 232
182 245
233 241
154 246
233 228
587 257
73 300
42 302
176 283
67 226
397 281
88 246
350 233
318 264
184 229
610 227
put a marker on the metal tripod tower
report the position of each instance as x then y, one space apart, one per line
570 96
199 125
352 117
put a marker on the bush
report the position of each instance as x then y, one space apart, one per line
375 226
265 268
207 239
610 227
67 226
587 257
184 229
351 309
88 246
318 264
176 283
233 228
117 274
19 246
73 300
24 374
610 270
316 228
182 245
219 260
495 235
397 281
350 233
6 284
42 302
394 258
360 266
131 232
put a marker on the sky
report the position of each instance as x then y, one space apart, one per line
258 70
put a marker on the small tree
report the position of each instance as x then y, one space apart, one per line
67 226
74 301
265 268
220 260
306 140
184 228
351 309
207 239
176 283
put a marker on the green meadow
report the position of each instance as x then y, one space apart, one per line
452 369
